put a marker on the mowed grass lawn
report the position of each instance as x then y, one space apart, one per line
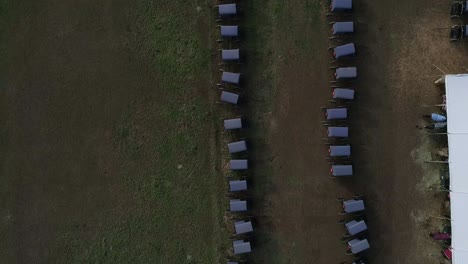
109 143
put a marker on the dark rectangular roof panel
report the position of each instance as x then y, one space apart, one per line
236 205
341 132
230 77
346 73
235 123
351 206
243 227
342 170
336 113
341 5
340 151
229 97
236 147
238 164
355 227
227 10
230 55
345 94
343 28
357 245
241 247
237 185
344 50
229 31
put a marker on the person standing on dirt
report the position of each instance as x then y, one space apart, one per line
438 125
436 117
441 236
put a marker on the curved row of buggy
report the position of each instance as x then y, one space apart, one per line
335 120
355 227
230 82
336 117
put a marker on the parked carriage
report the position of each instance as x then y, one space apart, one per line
237 147
337 6
337 132
354 205
357 246
241 247
343 74
354 227
458 9
231 124
339 151
238 164
230 55
227 11
343 51
237 205
342 95
458 32
230 98
230 78
338 113
340 170
229 32
237 185
243 227
342 29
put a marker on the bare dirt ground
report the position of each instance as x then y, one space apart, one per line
398 42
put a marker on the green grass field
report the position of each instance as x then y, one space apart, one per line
183 223
164 143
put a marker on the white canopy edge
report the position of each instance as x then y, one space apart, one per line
458 165
459 219
456 87
459 256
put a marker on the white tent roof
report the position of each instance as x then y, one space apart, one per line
458 155
457 107
457 128
459 221
459 256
